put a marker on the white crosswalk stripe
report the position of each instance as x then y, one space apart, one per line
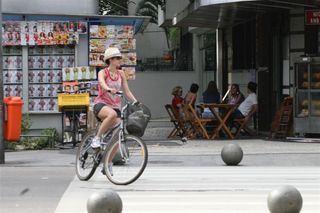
200 189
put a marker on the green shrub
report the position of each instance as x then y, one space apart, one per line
25 123
34 143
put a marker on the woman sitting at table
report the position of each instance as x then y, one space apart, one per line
236 97
210 96
177 99
244 109
191 96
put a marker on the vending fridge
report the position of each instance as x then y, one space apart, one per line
307 96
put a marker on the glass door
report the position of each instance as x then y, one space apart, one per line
315 89
302 86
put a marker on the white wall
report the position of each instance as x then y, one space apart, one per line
152 42
154 88
79 7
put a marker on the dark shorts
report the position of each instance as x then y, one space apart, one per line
97 107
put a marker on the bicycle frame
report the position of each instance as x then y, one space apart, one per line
121 126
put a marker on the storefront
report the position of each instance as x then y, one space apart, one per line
255 41
43 52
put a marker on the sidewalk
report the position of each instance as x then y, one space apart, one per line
192 178
191 167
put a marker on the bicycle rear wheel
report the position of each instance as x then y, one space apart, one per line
87 160
134 157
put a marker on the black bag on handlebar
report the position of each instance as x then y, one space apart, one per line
137 120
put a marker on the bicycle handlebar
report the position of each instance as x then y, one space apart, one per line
120 93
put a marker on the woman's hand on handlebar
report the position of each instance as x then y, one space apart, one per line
112 91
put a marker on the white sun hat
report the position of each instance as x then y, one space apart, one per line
112 52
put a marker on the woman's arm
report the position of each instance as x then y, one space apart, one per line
125 87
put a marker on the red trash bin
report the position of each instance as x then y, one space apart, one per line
12 118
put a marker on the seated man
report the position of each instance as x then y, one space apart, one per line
247 105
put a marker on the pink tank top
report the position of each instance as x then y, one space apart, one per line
107 98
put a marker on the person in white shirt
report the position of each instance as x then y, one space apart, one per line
247 105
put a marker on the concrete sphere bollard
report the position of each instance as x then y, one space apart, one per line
286 199
232 154
106 201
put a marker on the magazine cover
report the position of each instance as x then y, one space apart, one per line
7 89
32 62
31 76
124 31
71 87
96 59
130 72
18 62
51 76
58 76
94 88
110 31
41 76
60 61
52 104
7 76
51 90
66 72
131 43
32 90
41 62
9 62
69 61
32 104
94 31
129 59
84 73
41 89
11 33
98 31
50 62
42 105
17 77
18 90
97 45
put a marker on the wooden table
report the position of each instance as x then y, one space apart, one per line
222 119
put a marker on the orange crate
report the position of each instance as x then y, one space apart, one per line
73 100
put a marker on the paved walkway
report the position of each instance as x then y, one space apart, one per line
192 178
200 189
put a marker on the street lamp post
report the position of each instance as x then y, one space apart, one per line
1 95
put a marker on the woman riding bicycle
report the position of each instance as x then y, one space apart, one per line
107 104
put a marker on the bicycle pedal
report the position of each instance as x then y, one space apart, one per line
103 171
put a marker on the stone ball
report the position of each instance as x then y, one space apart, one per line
105 201
231 154
286 199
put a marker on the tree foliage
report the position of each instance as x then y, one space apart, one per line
113 7
150 8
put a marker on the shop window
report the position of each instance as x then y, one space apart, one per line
176 56
243 43
208 46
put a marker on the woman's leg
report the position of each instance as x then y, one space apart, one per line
108 117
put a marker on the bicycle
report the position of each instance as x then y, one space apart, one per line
124 156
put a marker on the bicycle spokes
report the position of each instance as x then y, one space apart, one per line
125 162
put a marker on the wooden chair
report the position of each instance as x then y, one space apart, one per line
198 125
174 118
242 123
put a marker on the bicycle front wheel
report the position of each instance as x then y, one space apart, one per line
86 158
124 165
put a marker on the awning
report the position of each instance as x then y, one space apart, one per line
222 13
139 22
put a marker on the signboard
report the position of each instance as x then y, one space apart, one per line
312 17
